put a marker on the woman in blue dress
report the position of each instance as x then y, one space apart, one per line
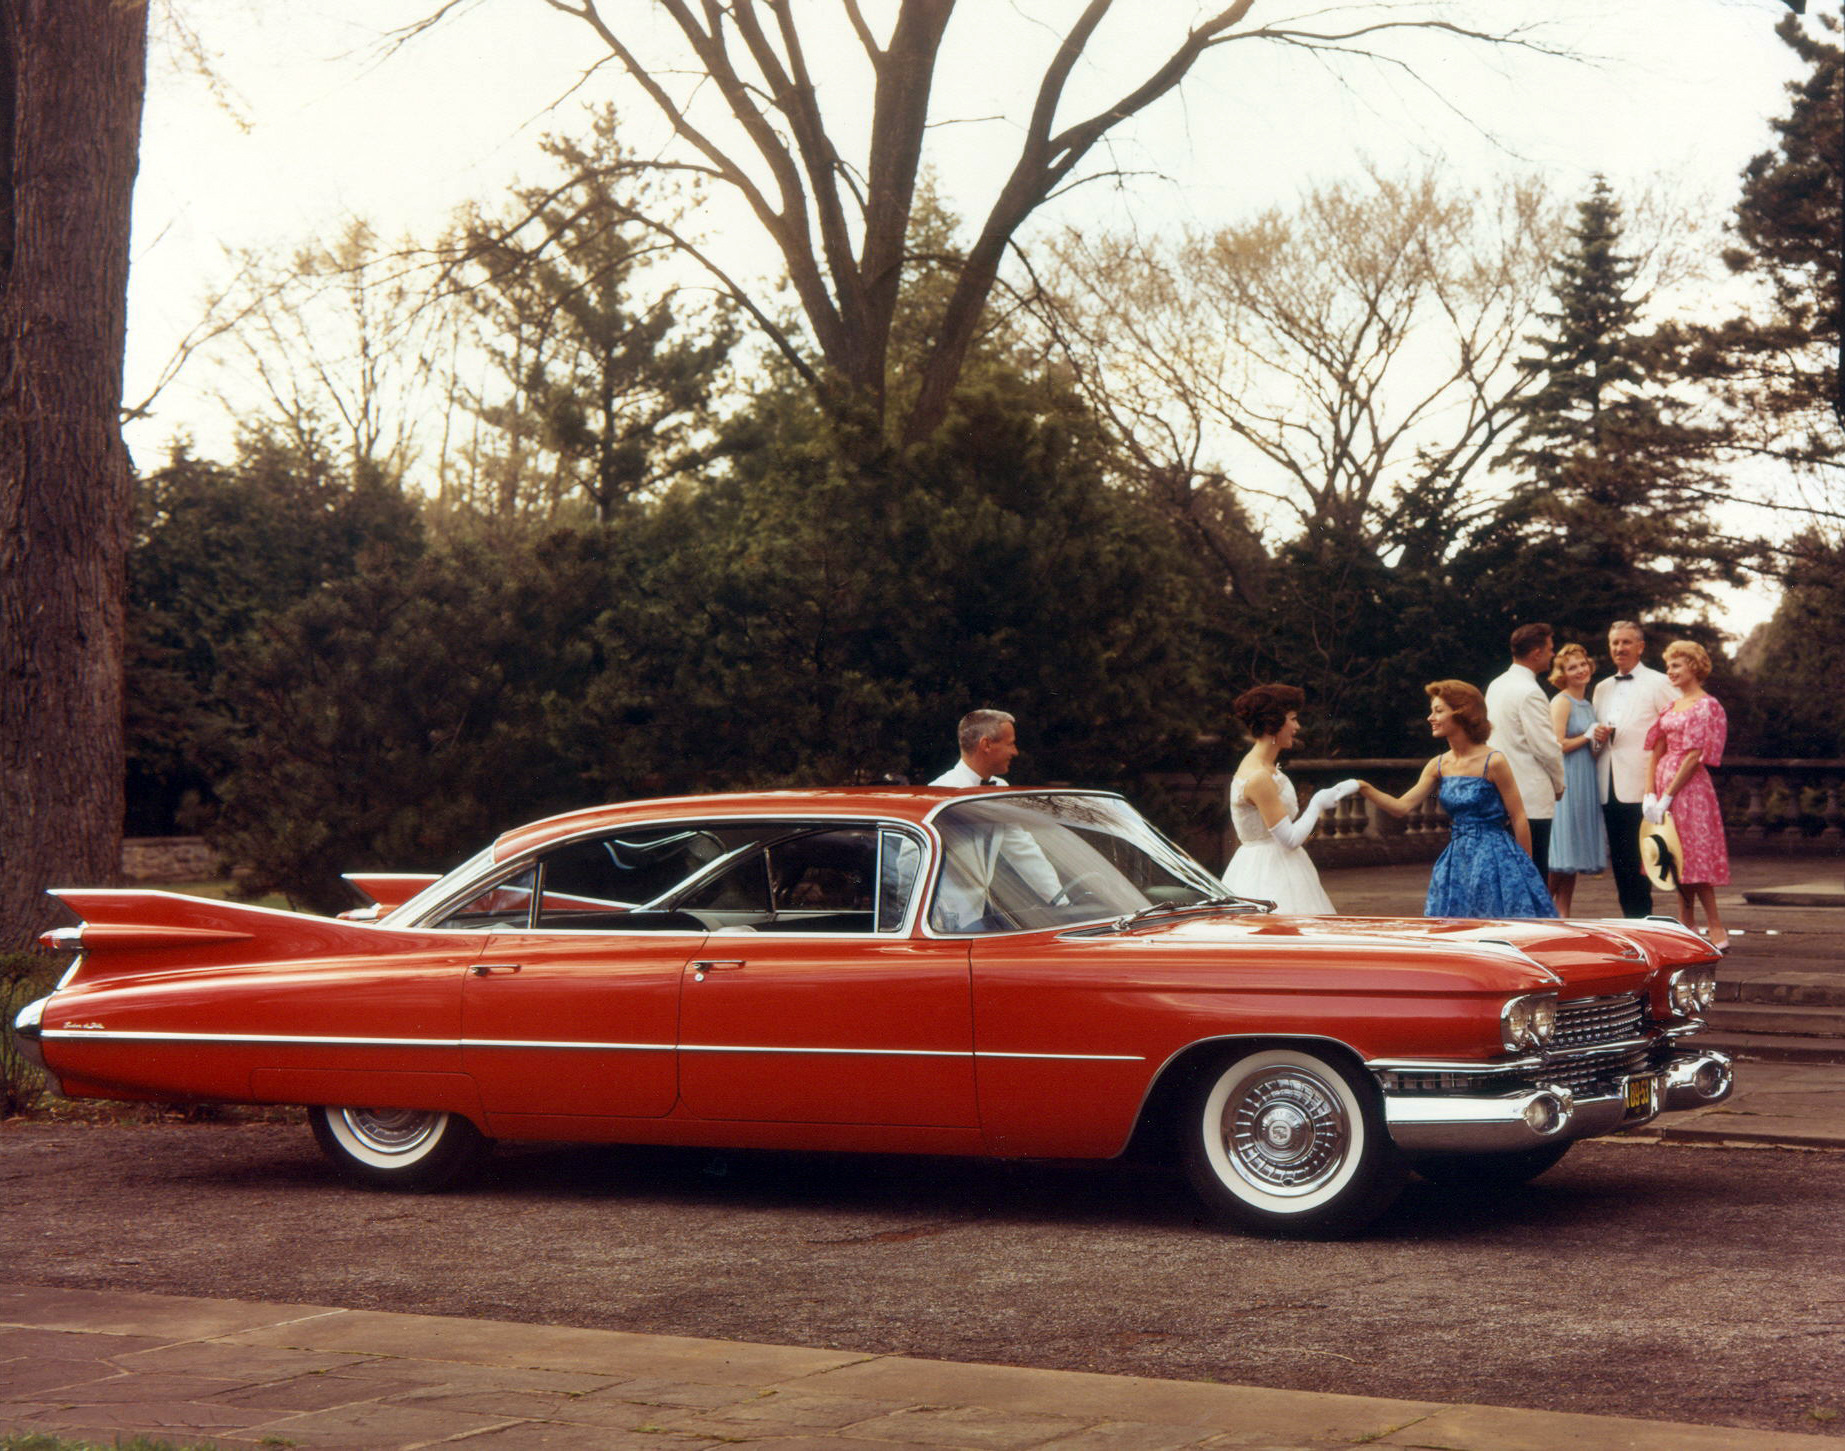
1486 869
1578 836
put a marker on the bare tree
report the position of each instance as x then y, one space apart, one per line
734 83
72 75
1324 365
342 341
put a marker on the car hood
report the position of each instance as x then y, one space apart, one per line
1579 958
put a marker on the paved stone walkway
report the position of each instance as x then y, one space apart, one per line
98 1364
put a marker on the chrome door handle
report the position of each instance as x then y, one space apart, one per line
486 969
728 964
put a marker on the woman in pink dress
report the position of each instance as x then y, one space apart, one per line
1686 741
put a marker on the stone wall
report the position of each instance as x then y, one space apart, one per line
169 859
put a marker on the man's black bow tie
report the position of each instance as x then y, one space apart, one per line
988 780
1628 676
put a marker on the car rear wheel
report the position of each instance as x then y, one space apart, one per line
1289 1141
398 1148
1491 1171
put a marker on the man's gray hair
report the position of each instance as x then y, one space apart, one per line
1633 625
980 725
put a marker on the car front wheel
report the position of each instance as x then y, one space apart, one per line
1289 1141
398 1148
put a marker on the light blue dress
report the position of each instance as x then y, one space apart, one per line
1578 836
1483 872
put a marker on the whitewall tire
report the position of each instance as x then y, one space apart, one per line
1290 1141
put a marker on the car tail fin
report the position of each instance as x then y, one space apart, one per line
131 930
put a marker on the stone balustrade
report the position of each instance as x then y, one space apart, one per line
1771 807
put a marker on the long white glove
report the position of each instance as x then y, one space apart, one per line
1293 834
1654 808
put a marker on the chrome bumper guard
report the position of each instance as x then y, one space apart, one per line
28 1037
1462 1124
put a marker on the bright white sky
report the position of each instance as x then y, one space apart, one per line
316 125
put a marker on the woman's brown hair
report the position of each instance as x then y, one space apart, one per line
1468 705
1264 710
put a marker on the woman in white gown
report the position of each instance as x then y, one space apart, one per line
1271 862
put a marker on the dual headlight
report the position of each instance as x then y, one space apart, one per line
1527 1022
1691 990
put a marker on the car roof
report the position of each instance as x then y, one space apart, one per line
888 803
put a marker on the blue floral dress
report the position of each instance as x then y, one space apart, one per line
1483 872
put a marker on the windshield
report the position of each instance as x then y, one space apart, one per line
1022 862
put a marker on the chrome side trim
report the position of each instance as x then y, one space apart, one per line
110 1035
565 1044
1528 1064
103 1035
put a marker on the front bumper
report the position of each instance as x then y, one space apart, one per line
1429 1123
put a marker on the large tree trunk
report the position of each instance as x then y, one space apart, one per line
72 73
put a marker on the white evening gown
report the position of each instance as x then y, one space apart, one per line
1263 867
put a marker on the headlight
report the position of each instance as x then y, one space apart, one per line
1528 1021
1691 990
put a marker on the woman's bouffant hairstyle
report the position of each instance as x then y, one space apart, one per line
1468 705
1692 651
1264 710
1566 657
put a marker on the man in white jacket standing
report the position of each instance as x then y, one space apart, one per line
1522 732
1626 705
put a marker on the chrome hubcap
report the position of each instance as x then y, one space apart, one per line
1286 1131
392 1130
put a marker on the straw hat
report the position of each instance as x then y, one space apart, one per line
1660 854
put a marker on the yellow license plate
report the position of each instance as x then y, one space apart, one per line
1640 1096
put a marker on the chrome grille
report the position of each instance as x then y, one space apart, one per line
1587 1021
1579 1075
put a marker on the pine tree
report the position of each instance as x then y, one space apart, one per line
1617 478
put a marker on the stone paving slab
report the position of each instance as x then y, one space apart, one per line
417 1380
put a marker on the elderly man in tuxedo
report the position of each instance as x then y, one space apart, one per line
1523 733
1626 704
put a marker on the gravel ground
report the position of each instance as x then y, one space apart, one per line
1679 1283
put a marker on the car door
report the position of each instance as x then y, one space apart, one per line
573 1011
826 1009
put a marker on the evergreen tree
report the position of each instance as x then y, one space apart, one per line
1777 368
1616 476
220 551
608 378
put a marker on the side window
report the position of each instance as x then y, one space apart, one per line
588 881
741 888
825 871
899 857
507 904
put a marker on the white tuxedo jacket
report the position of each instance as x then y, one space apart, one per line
1630 706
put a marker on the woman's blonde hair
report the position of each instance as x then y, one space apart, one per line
1692 651
1559 668
1468 705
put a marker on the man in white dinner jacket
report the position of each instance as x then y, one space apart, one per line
1626 705
988 740
1522 732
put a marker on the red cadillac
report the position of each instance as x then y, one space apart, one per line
1011 973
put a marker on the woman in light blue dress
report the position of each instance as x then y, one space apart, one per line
1486 869
1578 836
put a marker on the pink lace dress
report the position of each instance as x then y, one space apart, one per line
1702 727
